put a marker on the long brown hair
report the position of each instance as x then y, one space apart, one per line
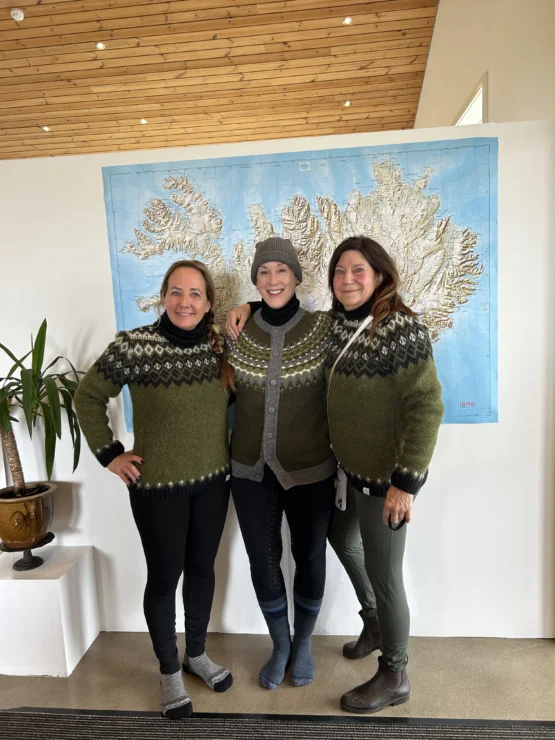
385 298
213 332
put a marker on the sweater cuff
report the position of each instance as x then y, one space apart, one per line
109 453
407 481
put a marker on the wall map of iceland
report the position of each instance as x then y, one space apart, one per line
432 205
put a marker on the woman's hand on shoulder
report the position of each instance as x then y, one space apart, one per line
123 467
398 506
236 320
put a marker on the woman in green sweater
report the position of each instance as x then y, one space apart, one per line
384 411
281 457
179 468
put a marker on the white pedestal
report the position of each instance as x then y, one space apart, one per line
48 616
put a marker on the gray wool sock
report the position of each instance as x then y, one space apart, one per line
275 614
214 676
303 669
175 702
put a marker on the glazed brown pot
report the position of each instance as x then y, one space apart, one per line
25 521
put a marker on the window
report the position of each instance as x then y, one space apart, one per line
474 110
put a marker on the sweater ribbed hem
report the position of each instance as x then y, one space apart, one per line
165 491
369 487
400 479
109 453
407 481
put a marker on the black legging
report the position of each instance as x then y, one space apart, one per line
260 508
181 534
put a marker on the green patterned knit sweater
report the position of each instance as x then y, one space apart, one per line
179 411
280 416
384 404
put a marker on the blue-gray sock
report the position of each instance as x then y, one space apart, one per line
275 614
302 666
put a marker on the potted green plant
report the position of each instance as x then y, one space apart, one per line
26 509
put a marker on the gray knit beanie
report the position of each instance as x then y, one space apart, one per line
276 249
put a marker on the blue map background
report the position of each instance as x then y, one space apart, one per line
464 176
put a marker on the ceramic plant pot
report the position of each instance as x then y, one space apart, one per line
25 520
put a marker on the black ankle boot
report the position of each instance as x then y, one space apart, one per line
386 689
368 641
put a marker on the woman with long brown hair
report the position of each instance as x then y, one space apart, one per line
179 468
384 412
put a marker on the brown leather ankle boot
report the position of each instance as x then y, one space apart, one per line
368 641
387 688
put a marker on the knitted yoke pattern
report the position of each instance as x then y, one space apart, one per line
384 405
179 411
280 417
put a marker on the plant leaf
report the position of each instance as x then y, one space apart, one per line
19 363
73 426
60 357
75 372
12 388
10 354
28 388
54 403
49 439
71 385
68 405
38 348
77 444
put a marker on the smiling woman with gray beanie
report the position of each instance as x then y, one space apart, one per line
281 457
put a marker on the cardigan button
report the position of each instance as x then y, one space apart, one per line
272 410
269 435
273 382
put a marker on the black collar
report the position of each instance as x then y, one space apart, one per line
181 337
358 313
280 316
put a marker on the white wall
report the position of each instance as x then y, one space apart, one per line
511 40
480 553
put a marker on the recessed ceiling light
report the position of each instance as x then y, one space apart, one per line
347 21
17 14
46 128
100 45
347 103
143 120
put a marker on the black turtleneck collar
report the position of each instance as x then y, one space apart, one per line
358 313
280 316
181 337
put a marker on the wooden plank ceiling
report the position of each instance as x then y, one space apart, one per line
205 71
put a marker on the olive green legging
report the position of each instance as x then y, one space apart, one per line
372 555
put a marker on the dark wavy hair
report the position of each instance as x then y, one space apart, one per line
385 298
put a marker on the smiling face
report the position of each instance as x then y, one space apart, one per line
354 280
185 300
276 283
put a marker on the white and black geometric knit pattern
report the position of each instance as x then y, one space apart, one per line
398 342
144 357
